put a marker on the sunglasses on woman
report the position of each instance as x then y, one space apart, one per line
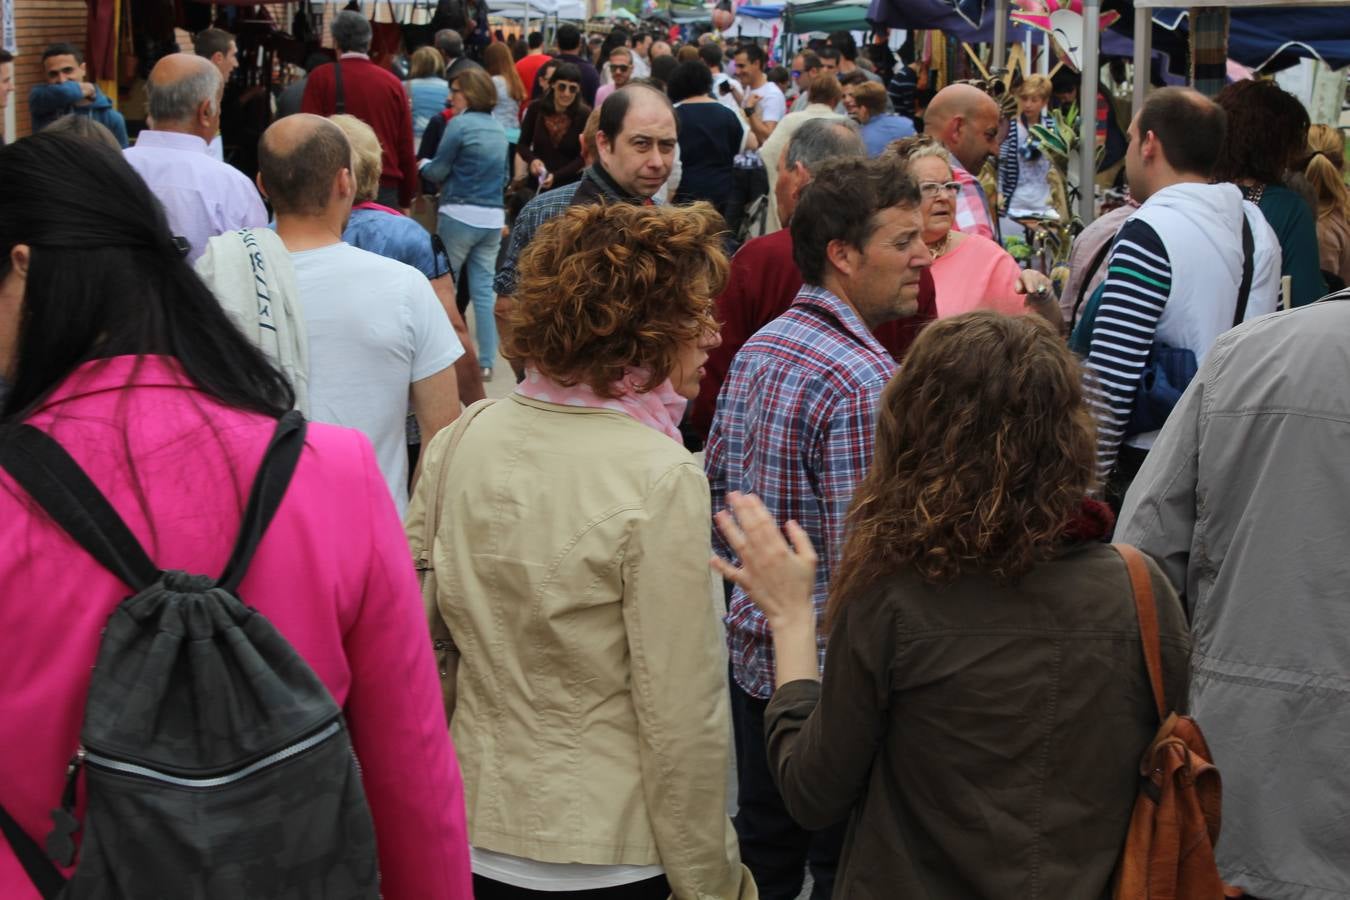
566 87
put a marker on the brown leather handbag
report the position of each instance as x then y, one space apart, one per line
1169 850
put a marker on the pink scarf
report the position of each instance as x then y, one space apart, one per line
660 408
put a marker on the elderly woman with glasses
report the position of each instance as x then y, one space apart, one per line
550 135
969 271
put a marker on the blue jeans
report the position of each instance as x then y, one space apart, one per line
477 249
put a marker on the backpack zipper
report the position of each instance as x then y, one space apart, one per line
125 768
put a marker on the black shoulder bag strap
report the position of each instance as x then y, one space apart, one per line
1248 270
44 469
41 871
340 101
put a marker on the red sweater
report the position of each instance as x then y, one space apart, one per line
761 285
375 96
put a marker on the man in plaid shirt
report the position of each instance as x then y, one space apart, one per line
965 120
794 424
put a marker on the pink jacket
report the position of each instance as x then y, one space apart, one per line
977 274
333 574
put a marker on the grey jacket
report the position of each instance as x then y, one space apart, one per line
1245 502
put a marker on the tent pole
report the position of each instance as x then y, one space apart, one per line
1087 105
1000 36
1143 56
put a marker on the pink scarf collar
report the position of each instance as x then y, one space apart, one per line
660 408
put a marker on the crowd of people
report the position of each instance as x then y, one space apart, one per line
915 668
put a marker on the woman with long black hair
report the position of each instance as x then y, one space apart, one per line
113 347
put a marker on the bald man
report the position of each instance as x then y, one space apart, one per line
377 333
966 121
202 196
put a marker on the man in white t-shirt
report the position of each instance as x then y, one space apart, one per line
378 336
764 106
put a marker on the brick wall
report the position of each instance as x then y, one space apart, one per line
38 23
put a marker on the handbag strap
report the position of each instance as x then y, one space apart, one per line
340 97
1248 269
1146 611
44 875
429 513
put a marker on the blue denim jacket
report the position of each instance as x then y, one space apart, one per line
471 161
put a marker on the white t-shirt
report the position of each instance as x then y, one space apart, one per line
772 107
375 327
533 875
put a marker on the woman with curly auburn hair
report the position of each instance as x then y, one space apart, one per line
566 575
985 703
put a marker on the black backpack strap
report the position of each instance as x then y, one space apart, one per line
339 95
269 487
44 469
44 875
1248 269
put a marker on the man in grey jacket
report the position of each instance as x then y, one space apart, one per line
1244 501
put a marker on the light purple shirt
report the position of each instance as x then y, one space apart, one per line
202 196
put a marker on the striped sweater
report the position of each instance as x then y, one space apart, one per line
1138 284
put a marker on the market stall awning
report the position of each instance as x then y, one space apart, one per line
826 15
1276 38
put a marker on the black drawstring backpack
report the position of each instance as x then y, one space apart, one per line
216 764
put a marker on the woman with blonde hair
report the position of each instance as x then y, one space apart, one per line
563 535
427 88
985 702
1325 172
510 89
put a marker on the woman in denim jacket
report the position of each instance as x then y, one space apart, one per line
470 164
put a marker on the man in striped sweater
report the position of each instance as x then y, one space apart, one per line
1174 272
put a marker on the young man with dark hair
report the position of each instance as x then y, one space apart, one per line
375 96
765 107
642 50
794 425
377 333
569 50
528 68
805 67
1147 296
848 56
219 47
67 92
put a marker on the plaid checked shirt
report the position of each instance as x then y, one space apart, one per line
795 425
972 210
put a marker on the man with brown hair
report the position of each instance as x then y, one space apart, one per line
794 425
377 333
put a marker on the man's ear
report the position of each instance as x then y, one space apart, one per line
841 254
262 189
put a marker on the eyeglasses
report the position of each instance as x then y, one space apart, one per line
614 68
564 87
934 188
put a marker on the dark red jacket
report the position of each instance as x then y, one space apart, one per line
375 96
761 285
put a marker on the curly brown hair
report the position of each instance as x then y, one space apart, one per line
1267 132
607 287
985 450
